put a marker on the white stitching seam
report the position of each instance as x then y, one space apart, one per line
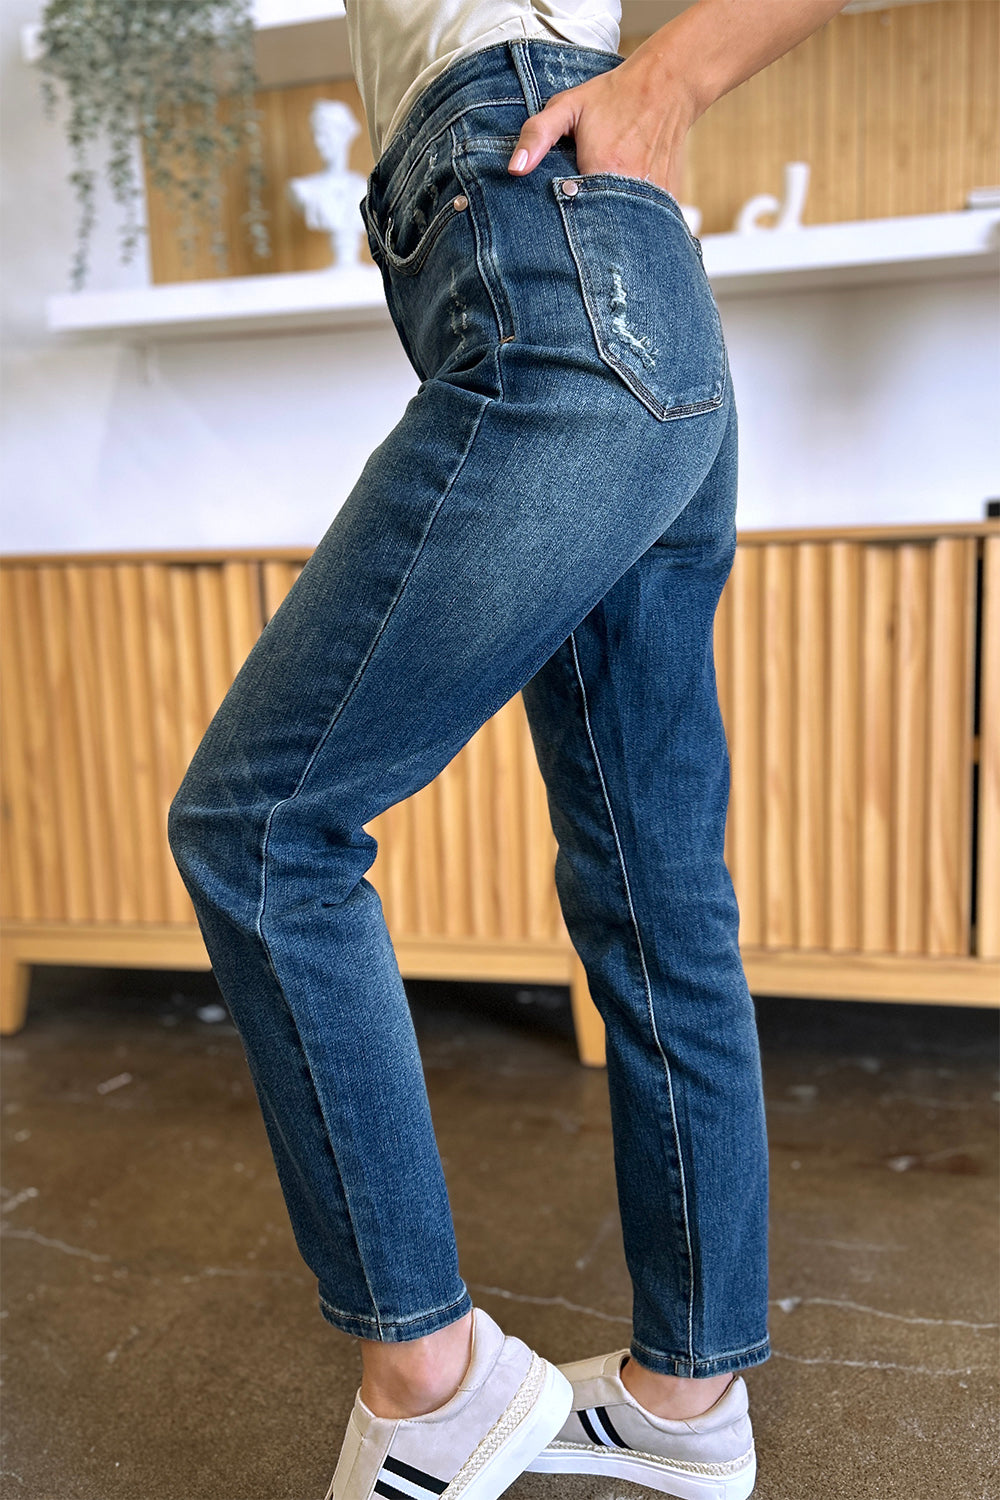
649 997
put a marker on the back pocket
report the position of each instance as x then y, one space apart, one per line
645 290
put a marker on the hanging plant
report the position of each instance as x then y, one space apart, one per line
177 76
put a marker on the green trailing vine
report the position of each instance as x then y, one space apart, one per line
179 77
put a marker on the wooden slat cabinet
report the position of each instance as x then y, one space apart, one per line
859 676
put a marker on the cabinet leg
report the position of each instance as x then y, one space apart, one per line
15 977
586 1018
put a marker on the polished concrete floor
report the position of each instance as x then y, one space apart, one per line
160 1334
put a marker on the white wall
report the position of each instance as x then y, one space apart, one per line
866 405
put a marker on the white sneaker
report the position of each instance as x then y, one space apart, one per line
708 1457
510 1403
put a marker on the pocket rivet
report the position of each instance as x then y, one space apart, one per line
570 189
460 202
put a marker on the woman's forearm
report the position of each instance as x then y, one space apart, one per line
715 45
633 118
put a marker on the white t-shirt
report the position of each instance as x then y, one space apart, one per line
398 46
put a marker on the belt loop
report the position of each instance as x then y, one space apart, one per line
521 60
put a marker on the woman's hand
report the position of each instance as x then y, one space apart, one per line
633 119
619 121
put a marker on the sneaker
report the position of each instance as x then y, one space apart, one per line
708 1457
510 1404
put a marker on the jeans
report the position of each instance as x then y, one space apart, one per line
553 514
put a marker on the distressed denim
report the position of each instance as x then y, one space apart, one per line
553 514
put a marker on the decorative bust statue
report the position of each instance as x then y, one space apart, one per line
329 200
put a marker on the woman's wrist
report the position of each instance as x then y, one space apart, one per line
714 45
634 118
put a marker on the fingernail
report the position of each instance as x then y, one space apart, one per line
519 159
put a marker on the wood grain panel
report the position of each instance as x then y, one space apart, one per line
896 111
97 793
845 746
28 847
162 667
910 737
62 746
137 692
778 711
213 637
988 831
846 672
950 748
809 820
244 614
876 750
476 768
192 705
744 728
114 749
454 840
510 843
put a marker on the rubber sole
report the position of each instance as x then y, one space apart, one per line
688 1483
529 1436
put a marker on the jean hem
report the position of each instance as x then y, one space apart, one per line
684 1365
396 1330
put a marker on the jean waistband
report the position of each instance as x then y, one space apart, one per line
505 72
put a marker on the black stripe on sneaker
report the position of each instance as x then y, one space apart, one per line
596 1423
589 1429
390 1491
415 1476
606 1423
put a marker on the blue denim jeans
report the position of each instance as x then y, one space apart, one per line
553 515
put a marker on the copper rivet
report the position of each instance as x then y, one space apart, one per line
571 188
460 202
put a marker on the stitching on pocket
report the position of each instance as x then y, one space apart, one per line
456 204
407 265
671 352
421 144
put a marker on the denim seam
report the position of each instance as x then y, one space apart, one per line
649 997
521 62
486 263
301 783
382 1323
710 1359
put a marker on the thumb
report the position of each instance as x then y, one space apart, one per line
539 134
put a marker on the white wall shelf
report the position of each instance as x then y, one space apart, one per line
906 247
914 247
295 301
